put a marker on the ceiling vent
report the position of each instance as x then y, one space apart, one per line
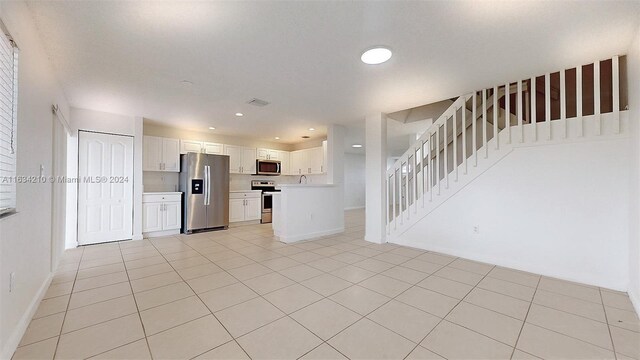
257 102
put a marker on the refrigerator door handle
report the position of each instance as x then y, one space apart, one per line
208 185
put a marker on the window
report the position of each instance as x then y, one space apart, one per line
8 120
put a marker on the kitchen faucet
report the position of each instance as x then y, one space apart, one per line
300 180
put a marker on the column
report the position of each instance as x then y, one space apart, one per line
376 168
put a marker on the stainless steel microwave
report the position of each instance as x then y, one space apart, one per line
268 167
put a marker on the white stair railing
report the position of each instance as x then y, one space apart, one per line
437 164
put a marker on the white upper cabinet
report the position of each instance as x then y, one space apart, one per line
285 160
248 160
161 154
235 158
187 146
213 148
308 161
269 154
242 160
200 147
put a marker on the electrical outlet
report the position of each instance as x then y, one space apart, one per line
476 229
12 281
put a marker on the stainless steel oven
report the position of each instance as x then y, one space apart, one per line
268 188
268 167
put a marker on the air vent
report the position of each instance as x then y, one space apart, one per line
306 137
257 102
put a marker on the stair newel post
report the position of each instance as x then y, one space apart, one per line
519 105
455 141
507 111
484 123
534 121
464 135
547 104
596 97
397 198
445 145
438 159
615 69
430 168
405 200
495 117
579 101
474 135
388 197
563 103
423 168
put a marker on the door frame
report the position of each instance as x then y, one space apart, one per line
133 157
59 139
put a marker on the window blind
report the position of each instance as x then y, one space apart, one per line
8 122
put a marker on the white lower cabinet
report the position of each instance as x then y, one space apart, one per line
161 214
245 206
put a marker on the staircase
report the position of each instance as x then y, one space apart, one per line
480 129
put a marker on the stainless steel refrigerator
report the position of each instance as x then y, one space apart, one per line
204 182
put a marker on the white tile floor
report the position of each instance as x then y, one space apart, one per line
239 294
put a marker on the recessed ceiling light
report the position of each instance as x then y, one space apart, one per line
376 56
312 129
211 128
356 146
239 114
277 138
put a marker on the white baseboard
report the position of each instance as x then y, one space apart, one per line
160 233
18 331
354 208
635 300
308 236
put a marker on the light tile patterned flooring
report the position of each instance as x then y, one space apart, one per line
239 294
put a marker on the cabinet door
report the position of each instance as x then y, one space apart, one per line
151 217
171 155
171 218
263 154
236 210
212 148
295 163
249 160
316 160
235 158
253 209
187 146
274 155
284 158
152 153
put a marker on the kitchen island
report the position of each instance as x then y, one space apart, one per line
307 211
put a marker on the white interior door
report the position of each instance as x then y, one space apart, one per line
105 189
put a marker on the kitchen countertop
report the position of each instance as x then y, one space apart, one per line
304 185
161 192
244 191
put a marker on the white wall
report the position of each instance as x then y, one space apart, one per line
25 237
354 181
633 64
83 119
558 210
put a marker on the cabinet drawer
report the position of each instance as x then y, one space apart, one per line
244 195
146 198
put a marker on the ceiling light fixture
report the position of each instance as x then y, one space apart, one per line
376 55
211 128
356 146
239 114
277 138
312 129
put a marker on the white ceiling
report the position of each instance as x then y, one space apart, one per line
304 57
